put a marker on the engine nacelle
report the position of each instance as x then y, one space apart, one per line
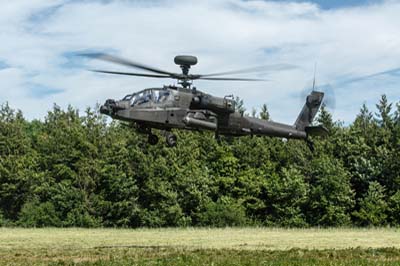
193 122
214 104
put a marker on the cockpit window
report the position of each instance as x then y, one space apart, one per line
160 96
127 97
141 97
154 95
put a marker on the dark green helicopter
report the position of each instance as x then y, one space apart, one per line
185 107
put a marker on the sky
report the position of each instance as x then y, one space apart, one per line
354 44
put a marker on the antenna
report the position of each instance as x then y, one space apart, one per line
315 70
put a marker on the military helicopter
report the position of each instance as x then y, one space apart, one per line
184 107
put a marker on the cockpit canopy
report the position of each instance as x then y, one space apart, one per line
155 96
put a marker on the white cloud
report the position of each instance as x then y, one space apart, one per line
37 35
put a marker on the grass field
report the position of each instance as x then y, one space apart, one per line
228 246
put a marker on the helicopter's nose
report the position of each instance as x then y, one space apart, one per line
111 106
104 109
108 107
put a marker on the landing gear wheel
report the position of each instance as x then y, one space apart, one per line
217 137
152 139
171 139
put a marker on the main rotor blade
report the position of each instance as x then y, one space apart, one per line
124 62
275 67
391 72
234 79
130 74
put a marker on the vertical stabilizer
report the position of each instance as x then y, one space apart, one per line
310 109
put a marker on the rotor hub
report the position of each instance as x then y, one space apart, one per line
185 62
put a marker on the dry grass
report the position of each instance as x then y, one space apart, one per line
200 246
198 238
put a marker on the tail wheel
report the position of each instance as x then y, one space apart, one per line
152 139
310 145
171 139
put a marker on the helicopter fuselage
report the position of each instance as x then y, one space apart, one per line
189 109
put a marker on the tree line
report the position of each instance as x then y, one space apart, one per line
73 169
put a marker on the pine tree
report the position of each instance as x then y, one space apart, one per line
285 196
264 114
331 197
325 118
253 112
385 118
18 163
372 207
239 105
364 119
397 114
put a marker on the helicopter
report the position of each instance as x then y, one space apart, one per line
184 107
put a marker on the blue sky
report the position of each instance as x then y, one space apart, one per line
356 45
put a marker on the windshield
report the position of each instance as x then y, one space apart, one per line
153 95
127 97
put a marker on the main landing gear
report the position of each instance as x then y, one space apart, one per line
170 139
152 139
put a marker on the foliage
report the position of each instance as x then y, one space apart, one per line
394 208
36 214
286 195
331 197
264 114
373 206
76 169
224 212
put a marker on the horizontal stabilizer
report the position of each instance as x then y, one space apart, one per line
316 131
